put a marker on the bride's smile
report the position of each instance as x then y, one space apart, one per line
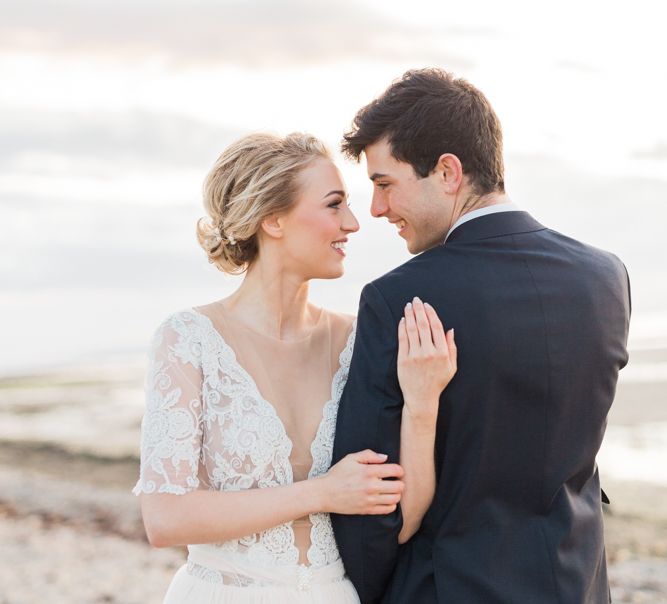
319 222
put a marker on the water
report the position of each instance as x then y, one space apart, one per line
636 453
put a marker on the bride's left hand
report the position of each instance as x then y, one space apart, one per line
426 359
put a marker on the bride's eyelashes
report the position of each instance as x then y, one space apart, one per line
336 204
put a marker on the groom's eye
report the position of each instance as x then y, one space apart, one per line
381 185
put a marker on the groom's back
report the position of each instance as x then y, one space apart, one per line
541 326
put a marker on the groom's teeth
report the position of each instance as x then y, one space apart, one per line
400 224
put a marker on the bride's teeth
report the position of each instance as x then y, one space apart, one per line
338 245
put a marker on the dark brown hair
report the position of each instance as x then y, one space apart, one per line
426 113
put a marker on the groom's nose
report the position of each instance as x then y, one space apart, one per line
378 206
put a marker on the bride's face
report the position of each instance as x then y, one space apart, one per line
317 226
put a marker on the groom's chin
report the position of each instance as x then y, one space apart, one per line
415 247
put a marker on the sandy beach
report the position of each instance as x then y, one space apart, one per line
72 532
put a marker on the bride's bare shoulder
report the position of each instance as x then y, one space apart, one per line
207 309
341 323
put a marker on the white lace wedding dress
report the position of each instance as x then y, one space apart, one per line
241 412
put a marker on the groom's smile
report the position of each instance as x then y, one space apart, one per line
400 225
414 205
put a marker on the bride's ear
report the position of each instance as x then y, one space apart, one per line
273 226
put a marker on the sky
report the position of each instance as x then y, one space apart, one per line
112 113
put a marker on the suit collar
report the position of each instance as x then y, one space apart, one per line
494 225
506 206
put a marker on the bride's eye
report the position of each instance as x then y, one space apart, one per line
335 204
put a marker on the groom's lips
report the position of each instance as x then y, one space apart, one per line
397 224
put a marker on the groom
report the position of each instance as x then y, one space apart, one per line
541 325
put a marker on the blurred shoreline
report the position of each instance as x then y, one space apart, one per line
69 444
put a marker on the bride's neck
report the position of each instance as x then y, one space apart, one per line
274 301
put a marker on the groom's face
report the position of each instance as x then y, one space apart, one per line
417 206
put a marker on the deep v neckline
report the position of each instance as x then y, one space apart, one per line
250 381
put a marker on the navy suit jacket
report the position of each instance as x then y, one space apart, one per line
541 326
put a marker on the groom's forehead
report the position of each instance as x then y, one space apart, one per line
380 162
378 150
380 165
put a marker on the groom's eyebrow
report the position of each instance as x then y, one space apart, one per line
377 175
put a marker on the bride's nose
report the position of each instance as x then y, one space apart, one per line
350 222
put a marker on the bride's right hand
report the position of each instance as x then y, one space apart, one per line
357 485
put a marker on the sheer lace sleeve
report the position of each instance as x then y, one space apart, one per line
171 430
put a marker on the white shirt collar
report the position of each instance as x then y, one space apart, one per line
508 206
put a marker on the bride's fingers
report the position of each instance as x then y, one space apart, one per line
451 345
383 509
411 327
387 499
423 325
437 330
403 344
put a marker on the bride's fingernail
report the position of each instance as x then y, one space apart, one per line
416 299
408 305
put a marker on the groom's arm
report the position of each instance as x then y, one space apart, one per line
369 417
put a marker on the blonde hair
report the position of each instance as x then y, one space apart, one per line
253 178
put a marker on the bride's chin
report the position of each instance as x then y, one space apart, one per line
333 273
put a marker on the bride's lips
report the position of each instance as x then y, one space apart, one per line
339 246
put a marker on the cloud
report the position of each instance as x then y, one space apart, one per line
135 138
48 243
624 214
578 66
658 151
246 33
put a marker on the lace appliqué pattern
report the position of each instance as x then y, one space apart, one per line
323 549
206 421
170 427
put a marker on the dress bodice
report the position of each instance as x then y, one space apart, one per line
209 426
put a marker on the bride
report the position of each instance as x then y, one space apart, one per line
242 394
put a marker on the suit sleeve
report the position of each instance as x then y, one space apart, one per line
628 309
627 275
369 417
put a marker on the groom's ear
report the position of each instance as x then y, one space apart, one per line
450 172
273 226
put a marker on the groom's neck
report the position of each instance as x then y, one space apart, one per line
477 202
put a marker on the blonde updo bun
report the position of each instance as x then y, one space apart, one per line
253 178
